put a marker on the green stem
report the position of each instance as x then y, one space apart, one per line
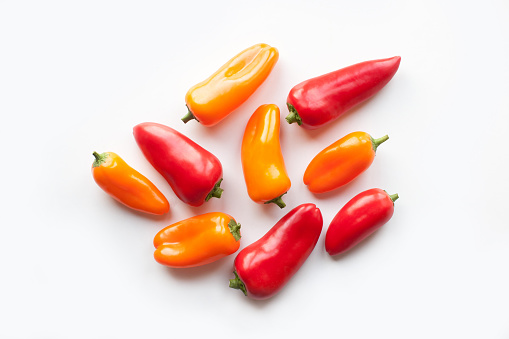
234 229
99 159
237 284
293 116
377 142
216 191
278 201
188 116
394 197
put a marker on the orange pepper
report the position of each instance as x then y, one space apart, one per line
197 241
213 99
262 159
127 185
341 162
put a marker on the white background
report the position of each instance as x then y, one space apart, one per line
76 76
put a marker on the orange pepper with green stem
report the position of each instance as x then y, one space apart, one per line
213 99
126 185
262 159
197 241
341 162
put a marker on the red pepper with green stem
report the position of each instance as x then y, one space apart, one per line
360 217
319 101
263 268
193 173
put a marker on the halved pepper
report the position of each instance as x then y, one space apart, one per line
213 99
126 185
197 241
341 162
262 159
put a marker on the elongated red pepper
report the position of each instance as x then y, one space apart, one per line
318 101
264 267
360 217
193 173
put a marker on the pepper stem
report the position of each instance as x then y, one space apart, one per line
216 191
293 116
188 116
278 201
237 284
394 197
377 142
234 229
99 159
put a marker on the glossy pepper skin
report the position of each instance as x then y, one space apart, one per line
193 173
263 268
319 101
197 241
262 159
341 162
359 218
126 185
213 99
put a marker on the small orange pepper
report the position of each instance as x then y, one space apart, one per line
262 160
197 241
213 99
126 185
341 162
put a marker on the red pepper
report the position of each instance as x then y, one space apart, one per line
360 217
264 267
318 101
193 173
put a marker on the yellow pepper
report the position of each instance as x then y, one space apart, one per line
213 99
262 159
